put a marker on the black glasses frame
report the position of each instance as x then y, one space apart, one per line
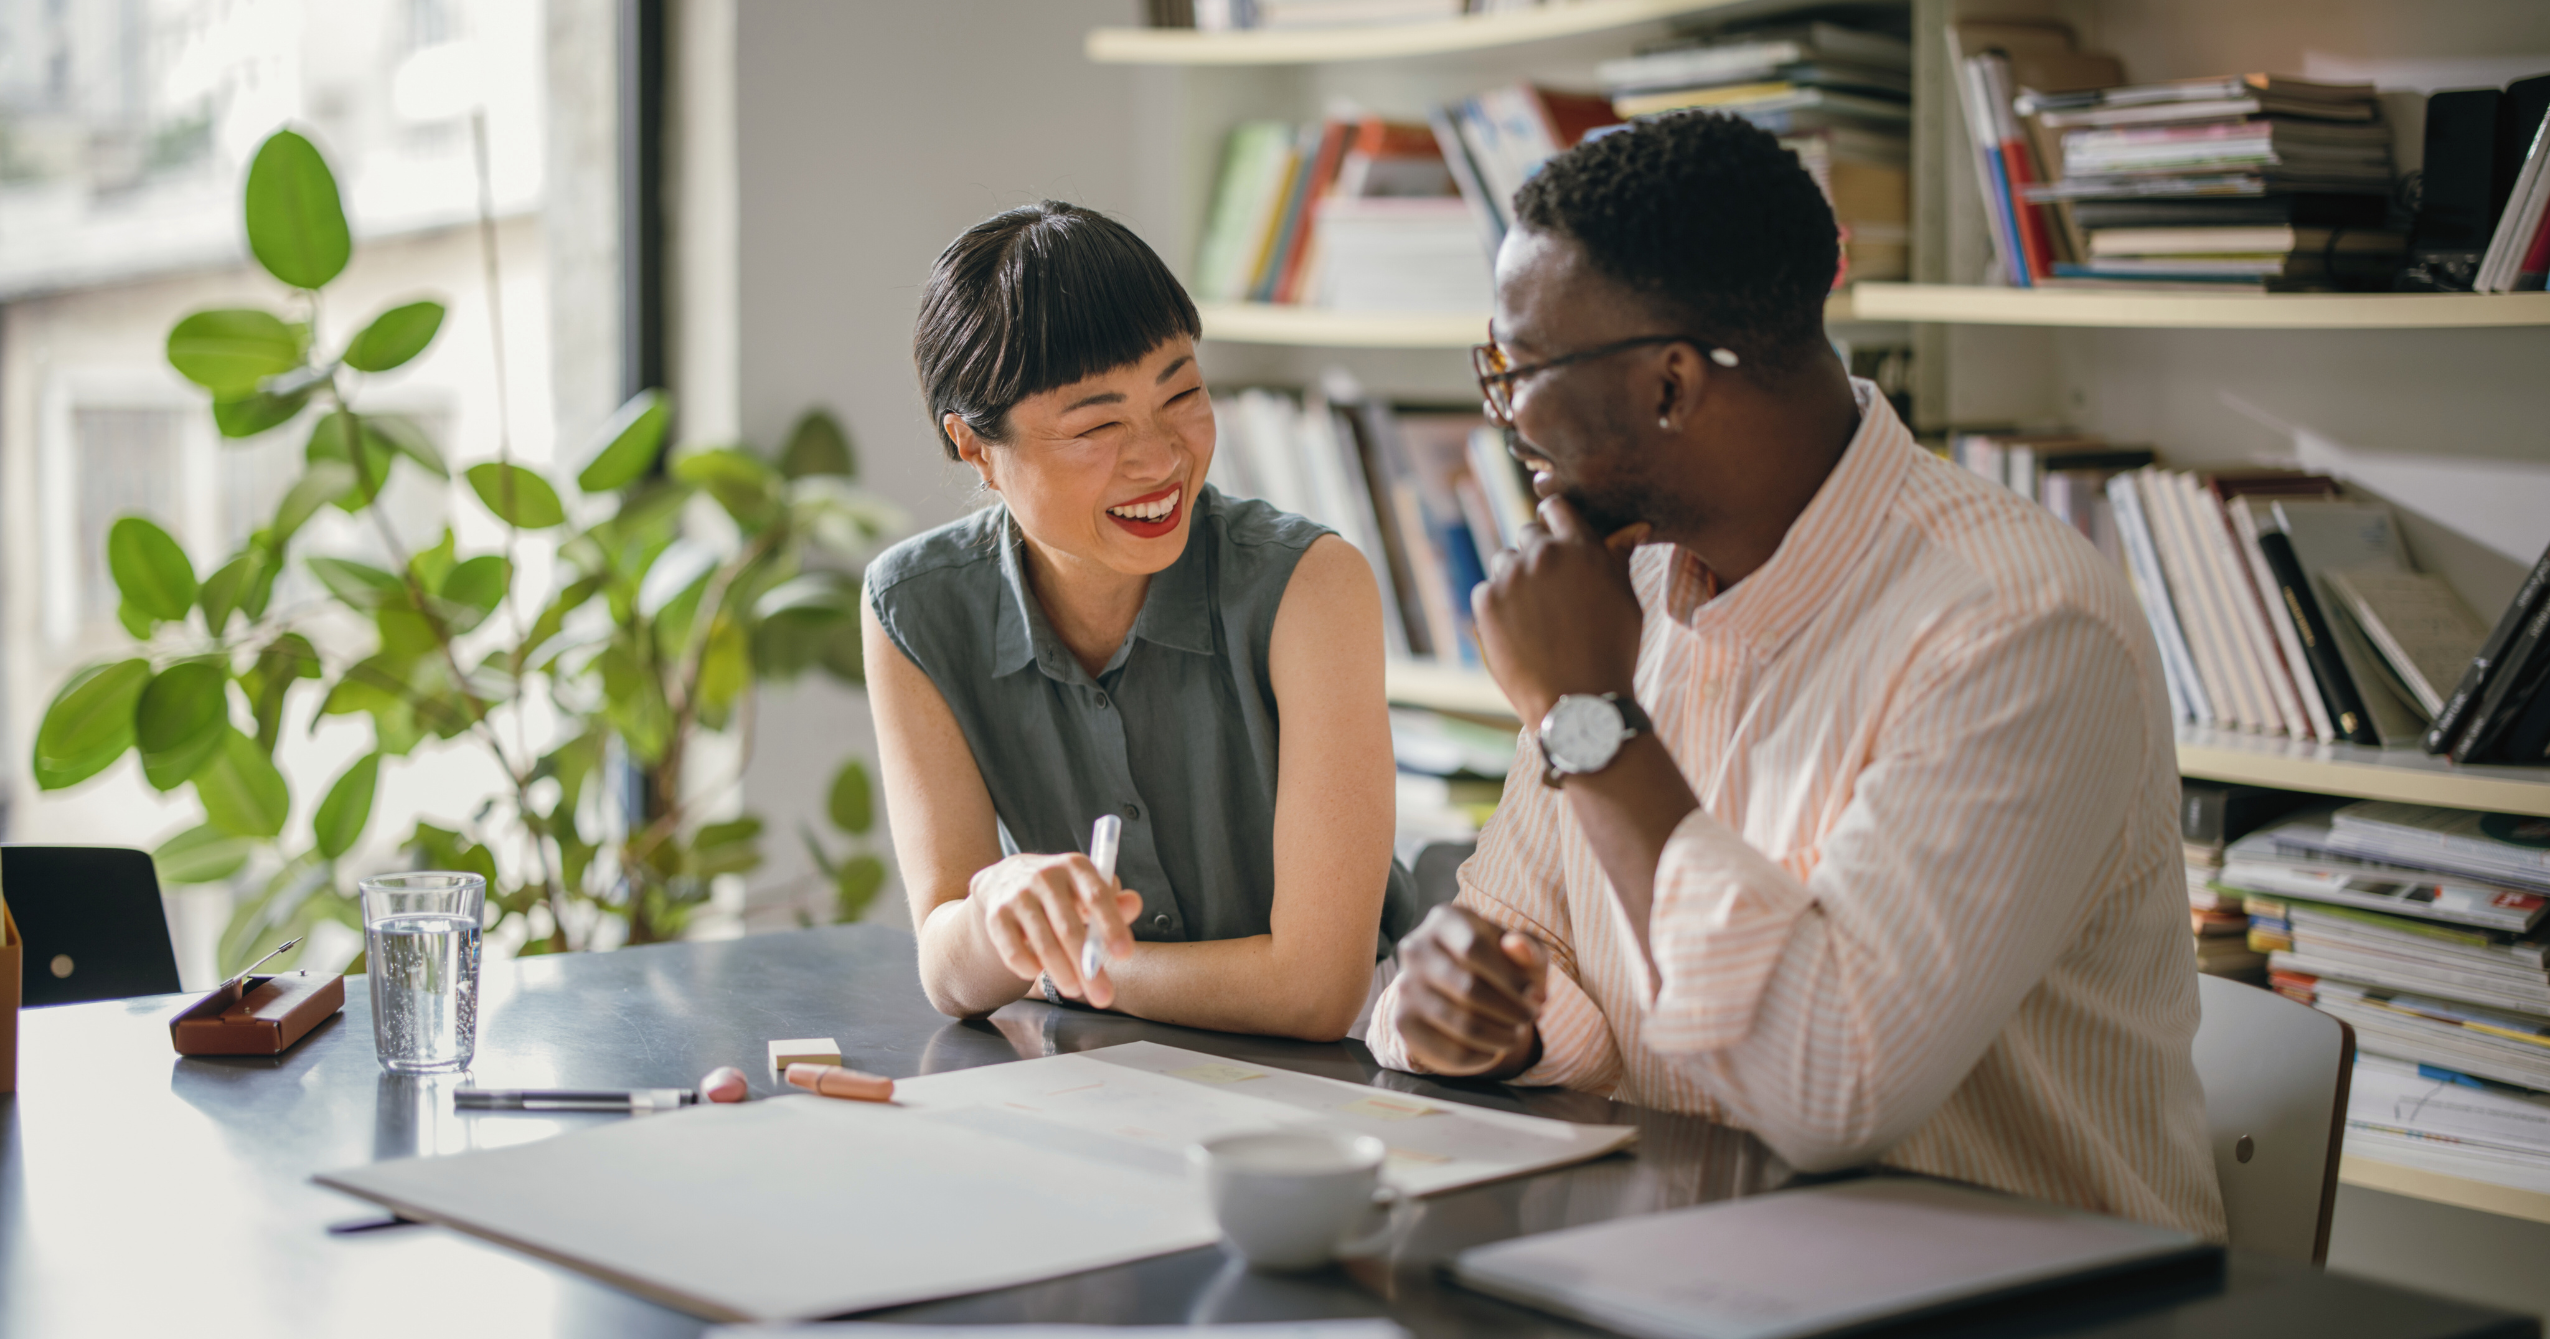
1497 380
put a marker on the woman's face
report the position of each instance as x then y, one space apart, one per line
1105 469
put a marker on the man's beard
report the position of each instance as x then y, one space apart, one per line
1610 511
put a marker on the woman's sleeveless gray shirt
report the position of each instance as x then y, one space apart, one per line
1177 735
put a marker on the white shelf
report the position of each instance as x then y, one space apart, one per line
2418 1183
2178 310
1445 688
1299 46
1320 327
1270 323
2403 774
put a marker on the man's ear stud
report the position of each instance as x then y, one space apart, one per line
1664 421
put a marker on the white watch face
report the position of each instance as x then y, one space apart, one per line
1581 733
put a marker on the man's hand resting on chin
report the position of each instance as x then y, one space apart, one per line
1558 614
1470 992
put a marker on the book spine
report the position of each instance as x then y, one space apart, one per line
2306 685
2248 611
2020 171
2523 213
2439 739
2337 688
1465 177
1988 175
2188 594
2501 704
2186 694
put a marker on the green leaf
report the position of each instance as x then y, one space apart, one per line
241 791
401 434
296 224
150 569
732 847
179 720
134 621
743 483
333 437
517 496
204 854
246 415
322 482
850 805
475 588
348 806
89 724
631 441
725 670
283 661
230 350
359 584
394 336
817 445
856 886
430 565
241 584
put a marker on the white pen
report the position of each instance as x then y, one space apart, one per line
1103 840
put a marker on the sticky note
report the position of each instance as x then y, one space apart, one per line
1216 1074
1387 1108
803 1051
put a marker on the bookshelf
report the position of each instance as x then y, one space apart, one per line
2371 387
1957 304
1320 327
2404 774
1304 46
2460 1192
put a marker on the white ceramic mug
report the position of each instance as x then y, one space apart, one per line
1297 1199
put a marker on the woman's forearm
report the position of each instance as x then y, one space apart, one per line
962 974
1246 985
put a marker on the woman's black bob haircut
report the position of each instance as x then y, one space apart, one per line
1034 298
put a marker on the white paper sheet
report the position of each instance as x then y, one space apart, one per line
852 1329
797 1208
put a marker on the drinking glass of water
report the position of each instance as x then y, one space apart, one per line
421 931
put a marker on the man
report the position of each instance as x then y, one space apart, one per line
1849 817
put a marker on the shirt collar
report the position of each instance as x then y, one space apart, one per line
1176 610
1823 546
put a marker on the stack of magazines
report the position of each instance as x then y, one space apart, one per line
2422 928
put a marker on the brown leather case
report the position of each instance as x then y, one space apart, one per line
12 960
261 1015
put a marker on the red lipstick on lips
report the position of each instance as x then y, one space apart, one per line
1151 529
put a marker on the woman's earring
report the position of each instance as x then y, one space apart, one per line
1665 421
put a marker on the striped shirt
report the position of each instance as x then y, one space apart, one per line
1931 910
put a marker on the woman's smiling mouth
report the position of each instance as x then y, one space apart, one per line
1151 515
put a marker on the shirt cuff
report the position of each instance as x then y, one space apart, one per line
1721 920
1576 1045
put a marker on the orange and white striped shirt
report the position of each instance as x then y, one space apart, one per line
1931 911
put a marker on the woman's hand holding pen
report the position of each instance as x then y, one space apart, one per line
1036 910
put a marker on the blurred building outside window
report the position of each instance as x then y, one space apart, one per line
125 128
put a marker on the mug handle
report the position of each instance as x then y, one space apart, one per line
1372 1239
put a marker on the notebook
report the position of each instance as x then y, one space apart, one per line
1812 1261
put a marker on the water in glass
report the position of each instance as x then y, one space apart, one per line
422 932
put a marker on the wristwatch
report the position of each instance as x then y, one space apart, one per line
1583 732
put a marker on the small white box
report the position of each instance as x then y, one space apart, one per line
802 1051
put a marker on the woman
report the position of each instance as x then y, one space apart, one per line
1116 637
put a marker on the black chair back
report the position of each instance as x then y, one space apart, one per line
92 922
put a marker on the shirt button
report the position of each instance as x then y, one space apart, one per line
1133 812
1102 702
1160 922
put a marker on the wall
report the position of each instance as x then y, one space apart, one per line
867 134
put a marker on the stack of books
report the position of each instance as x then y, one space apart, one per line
1429 496
2423 929
2210 816
1838 97
2257 181
1451 774
1356 214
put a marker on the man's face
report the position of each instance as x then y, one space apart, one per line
1577 424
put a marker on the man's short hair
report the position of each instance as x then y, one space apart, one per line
1705 215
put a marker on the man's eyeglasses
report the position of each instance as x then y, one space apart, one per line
1497 377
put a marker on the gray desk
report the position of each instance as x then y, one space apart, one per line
142 1194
